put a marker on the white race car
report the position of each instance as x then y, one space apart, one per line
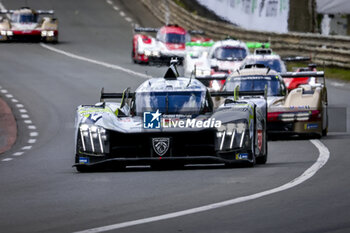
222 57
28 24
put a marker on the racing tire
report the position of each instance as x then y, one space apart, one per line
82 169
324 132
263 159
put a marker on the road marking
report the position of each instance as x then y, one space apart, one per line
308 173
22 110
4 91
31 127
28 122
105 64
109 2
116 8
24 115
19 105
9 96
122 14
18 153
34 134
32 141
26 147
128 19
14 100
7 159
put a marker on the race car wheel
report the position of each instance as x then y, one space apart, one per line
263 159
324 132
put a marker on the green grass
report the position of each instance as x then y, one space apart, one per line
330 72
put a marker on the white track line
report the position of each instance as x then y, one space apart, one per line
26 147
321 161
18 153
28 122
7 159
108 65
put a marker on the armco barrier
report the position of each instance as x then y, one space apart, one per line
327 50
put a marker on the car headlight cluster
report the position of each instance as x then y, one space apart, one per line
152 53
47 33
301 116
202 73
233 135
6 33
94 139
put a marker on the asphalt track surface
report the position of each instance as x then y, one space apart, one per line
41 192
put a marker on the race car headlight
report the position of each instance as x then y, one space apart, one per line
216 85
233 135
93 139
201 73
147 52
156 53
6 33
50 33
43 33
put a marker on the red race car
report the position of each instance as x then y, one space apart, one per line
170 42
292 83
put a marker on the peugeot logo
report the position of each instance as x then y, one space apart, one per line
160 145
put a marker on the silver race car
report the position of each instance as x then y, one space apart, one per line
171 120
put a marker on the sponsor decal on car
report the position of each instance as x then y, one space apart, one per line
241 156
311 126
83 160
154 120
160 145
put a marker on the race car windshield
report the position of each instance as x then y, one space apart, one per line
175 38
229 53
169 102
256 83
273 64
24 18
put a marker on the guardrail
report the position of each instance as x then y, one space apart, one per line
324 50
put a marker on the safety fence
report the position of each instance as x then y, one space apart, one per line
327 50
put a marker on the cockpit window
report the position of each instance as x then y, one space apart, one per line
175 38
229 53
273 64
24 18
184 102
256 83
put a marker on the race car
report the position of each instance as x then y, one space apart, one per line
170 42
293 83
222 58
169 121
267 58
300 111
28 24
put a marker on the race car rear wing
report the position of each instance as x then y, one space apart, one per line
306 74
317 74
126 94
148 29
240 93
140 29
296 58
212 77
40 12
